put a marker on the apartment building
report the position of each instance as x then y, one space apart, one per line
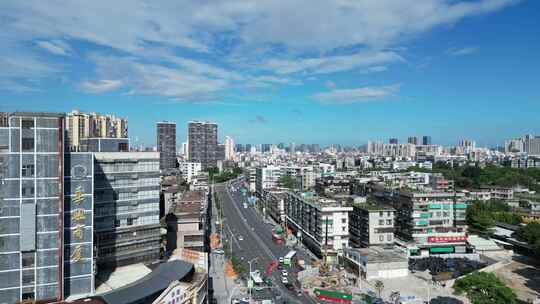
186 222
203 143
189 170
266 178
333 185
438 182
166 144
274 201
430 222
126 194
321 224
46 211
500 193
93 125
371 224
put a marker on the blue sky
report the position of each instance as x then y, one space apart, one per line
304 71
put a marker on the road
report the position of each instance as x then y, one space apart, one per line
251 238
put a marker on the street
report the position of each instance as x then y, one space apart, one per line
251 240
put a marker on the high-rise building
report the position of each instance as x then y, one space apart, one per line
265 148
393 141
46 243
93 125
126 194
412 140
532 145
166 144
202 143
229 148
426 140
240 148
292 148
184 149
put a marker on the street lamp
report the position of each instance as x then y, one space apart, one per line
249 279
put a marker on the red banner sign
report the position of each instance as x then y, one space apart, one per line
446 239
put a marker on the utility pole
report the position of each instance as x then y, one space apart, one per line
250 282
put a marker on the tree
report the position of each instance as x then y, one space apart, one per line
288 181
379 286
485 288
530 233
479 219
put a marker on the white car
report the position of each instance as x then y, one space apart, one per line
281 260
219 251
284 280
284 273
240 238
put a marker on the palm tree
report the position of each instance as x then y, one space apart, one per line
379 286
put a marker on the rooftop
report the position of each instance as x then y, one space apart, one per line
192 196
371 206
381 255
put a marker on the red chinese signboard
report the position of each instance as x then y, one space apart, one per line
447 239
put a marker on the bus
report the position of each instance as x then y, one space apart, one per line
288 259
257 280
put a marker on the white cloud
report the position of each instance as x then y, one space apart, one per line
358 95
332 64
280 37
142 78
57 47
377 69
463 51
100 86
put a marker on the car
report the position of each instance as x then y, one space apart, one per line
284 280
235 301
219 251
299 293
284 273
240 238
281 260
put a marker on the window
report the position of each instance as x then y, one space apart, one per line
389 237
130 221
27 144
381 238
28 259
388 222
27 123
381 214
381 222
344 220
343 229
28 190
27 170
389 213
28 295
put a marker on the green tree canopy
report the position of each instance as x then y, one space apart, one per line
485 288
288 181
530 233
479 219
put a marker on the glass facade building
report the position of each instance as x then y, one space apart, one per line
126 193
36 254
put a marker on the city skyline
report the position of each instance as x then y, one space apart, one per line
467 71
